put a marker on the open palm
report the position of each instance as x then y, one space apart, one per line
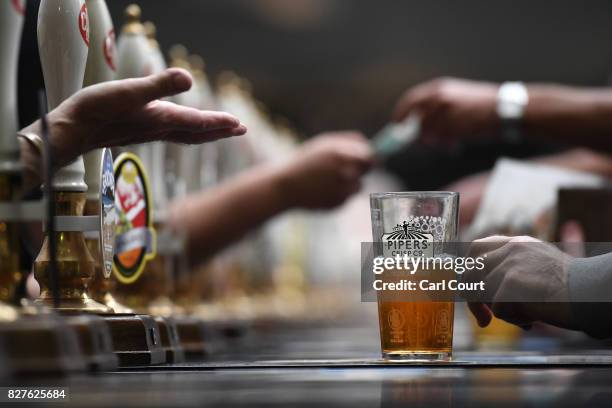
131 111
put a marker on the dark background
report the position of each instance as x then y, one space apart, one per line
329 64
342 64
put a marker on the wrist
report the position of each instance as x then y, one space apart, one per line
551 101
512 100
511 104
62 149
282 182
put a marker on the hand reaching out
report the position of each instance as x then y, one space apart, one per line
130 112
327 170
450 108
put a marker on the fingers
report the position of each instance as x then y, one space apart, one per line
414 99
499 264
494 252
504 311
480 247
434 123
203 137
482 313
352 148
171 82
361 161
175 119
356 146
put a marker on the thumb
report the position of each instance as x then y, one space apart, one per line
482 313
171 82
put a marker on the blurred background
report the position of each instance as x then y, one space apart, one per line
338 64
335 64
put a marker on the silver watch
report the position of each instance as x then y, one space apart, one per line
512 100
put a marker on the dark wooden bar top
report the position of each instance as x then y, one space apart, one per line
306 365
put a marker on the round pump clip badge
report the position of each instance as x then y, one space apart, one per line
135 242
108 214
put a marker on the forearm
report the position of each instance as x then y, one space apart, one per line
577 116
584 160
216 218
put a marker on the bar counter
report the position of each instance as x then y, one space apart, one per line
325 365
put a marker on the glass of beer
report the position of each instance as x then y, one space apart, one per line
415 326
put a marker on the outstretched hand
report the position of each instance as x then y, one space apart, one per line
327 170
451 109
131 111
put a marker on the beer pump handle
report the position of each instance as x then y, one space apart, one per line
157 172
11 24
63 41
134 62
133 47
101 67
137 58
102 57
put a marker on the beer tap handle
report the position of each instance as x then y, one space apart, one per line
135 62
133 47
139 55
63 41
101 67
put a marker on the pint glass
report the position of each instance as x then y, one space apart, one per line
416 224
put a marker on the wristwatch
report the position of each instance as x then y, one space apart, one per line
512 100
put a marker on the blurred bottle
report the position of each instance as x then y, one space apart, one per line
11 23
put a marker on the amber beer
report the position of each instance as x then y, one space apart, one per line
417 323
409 329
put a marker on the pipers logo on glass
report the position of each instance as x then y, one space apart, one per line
413 237
84 24
135 243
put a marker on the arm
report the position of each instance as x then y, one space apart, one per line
453 108
577 116
322 174
585 160
215 218
124 112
